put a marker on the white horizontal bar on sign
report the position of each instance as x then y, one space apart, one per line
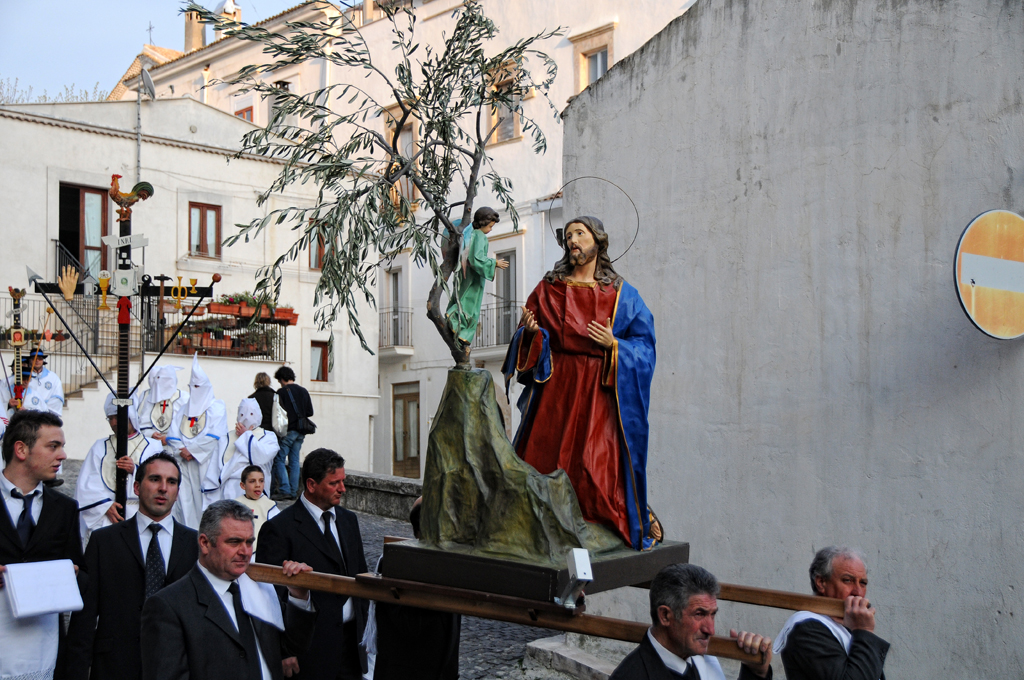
991 272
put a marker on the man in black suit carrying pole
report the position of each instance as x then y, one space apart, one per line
218 624
125 567
37 524
316 531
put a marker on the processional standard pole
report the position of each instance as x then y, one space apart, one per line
125 284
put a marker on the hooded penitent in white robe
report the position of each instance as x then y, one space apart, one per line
255 446
43 392
98 477
203 430
162 404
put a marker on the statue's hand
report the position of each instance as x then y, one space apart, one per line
528 322
501 264
602 335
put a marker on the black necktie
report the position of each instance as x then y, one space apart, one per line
691 671
156 574
252 656
333 543
25 522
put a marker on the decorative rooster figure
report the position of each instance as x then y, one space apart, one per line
140 192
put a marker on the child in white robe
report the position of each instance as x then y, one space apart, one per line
253 446
97 479
263 509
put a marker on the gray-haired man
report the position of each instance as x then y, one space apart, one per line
816 647
217 623
684 602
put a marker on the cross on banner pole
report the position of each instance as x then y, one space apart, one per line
125 284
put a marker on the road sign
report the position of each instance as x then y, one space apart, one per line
133 240
989 273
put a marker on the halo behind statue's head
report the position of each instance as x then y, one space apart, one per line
599 223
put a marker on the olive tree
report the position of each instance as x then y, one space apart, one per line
376 198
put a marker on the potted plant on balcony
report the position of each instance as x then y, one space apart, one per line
226 304
249 306
285 313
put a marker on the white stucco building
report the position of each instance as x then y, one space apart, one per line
804 172
413 360
56 163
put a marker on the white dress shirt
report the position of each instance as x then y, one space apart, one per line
16 505
165 536
348 611
707 666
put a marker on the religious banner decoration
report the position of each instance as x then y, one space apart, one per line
989 273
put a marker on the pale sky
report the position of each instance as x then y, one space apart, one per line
48 44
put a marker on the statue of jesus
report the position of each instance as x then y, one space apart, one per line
585 352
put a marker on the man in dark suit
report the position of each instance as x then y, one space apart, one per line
814 647
316 531
37 524
216 623
126 566
684 602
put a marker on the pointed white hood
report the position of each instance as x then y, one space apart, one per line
249 414
163 383
200 390
110 410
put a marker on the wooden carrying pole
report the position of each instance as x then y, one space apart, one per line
781 599
482 605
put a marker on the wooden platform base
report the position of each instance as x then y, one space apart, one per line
412 561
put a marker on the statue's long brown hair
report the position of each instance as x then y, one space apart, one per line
604 273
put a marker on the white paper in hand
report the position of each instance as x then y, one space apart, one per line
35 588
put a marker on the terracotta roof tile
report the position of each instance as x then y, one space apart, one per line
160 55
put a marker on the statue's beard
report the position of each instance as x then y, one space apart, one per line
578 258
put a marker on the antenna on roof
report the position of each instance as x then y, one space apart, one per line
145 83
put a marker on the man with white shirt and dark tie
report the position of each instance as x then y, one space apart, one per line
316 531
684 602
37 524
216 622
126 567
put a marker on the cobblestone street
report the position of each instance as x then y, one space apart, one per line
489 649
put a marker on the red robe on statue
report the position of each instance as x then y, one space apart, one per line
578 425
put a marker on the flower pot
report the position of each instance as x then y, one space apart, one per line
248 311
220 308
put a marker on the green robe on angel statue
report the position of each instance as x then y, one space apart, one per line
472 275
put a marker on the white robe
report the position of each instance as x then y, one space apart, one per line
161 416
263 509
96 481
44 392
253 447
206 440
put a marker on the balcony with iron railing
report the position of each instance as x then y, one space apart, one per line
395 333
498 323
220 335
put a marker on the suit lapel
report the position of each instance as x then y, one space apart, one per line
179 543
313 533
47 517
130 533
7 525
346 558
215 611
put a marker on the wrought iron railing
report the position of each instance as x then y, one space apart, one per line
220 335
395 327
95 330
497 325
